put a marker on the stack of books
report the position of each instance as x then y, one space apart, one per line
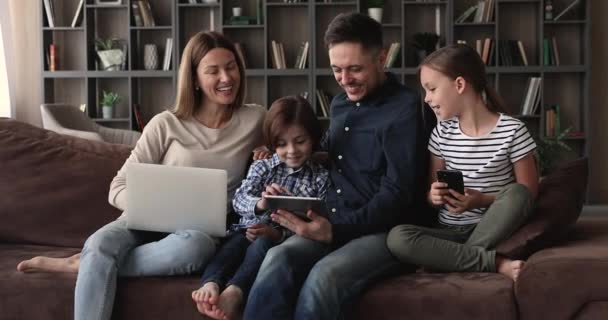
142 13
324 102
302 56
168 53
550 52
482 12
391 55
278 55
531 99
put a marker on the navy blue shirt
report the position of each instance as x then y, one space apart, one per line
378 160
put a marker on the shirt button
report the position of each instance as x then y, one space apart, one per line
358 104
333 209
339 170
346 129
340 157
338 191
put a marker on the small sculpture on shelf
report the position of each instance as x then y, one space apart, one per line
425 43
111 53
374 9
108 101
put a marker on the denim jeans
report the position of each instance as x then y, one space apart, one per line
237 262
115 251
304 279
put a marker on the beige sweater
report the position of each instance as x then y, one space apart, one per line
170 141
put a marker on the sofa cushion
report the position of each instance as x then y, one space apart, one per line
558 206
54 188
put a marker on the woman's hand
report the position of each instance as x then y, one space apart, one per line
471 199
438 193
260 230
260 153
271 190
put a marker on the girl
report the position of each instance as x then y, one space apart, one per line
493 151
291 130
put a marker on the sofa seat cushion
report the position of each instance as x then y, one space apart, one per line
557 282
439 296
51 295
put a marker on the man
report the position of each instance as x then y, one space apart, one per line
377 154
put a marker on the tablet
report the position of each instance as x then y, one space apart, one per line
297 205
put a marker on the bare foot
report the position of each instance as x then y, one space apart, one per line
231 302
508 267
206 298
48 264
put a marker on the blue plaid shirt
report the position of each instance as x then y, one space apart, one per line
310 180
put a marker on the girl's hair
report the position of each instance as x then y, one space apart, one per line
188 100
290 111
461 60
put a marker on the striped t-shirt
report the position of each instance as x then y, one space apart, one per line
486 162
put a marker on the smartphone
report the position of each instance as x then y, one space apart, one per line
453 178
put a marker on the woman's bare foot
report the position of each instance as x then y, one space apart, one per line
48 264
206 298
231 302
508 267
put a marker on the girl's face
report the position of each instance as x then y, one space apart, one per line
442 94
294 146
218 77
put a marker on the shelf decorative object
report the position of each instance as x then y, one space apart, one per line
108 102
150 57
111 55
425 43
374 9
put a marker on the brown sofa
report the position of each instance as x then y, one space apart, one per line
53 194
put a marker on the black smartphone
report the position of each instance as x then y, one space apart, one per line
453 178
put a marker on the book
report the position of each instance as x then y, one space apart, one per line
137 18
146 13
49 13
53 65
467 14
304 56
282 56
138 118
522 52
566 10
241 52
77 14
555 51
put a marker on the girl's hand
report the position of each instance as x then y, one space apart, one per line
459 203
438 193
274 190
260 153
260 229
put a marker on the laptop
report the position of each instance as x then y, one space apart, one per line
166 198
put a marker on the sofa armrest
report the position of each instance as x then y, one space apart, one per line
558 282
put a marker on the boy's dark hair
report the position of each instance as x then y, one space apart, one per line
460 60
289 111
354 27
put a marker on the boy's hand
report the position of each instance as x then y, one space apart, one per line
274 190
260 153
438 193
260 229
459 203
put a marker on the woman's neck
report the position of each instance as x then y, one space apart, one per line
476 119
213 115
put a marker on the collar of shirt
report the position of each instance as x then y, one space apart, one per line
376 97
275 162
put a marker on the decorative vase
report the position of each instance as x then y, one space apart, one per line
237 11
375 13
421 55
150 57
111 60
106 112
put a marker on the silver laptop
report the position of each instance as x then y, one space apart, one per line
165 198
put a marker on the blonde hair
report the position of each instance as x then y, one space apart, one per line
188 100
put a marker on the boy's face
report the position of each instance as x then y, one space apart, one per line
294 146
356 70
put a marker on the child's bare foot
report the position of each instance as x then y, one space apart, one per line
206 298
508 267
231 302
48 264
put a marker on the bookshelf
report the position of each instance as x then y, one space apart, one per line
78 79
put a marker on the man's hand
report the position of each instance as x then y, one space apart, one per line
260 229
318 228
459 203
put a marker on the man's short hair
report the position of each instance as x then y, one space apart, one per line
354 27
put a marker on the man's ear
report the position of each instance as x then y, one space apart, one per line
461 84
382 55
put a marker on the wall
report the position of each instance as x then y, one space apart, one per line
27 37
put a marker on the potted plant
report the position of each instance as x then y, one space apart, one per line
108 102
374 9
425 43
549 151
110 53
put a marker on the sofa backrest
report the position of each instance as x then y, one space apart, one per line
54 188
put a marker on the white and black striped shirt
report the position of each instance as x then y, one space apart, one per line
486 161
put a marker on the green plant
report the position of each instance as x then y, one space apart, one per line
426 41
109 99
550 149
107 44
375 3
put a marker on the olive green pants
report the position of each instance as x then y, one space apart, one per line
463 248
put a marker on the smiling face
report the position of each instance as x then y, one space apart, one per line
218 77
356 70
294 146
442 94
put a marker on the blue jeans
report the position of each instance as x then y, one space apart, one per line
115 251
237 262
304 279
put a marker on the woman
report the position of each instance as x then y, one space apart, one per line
208 127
